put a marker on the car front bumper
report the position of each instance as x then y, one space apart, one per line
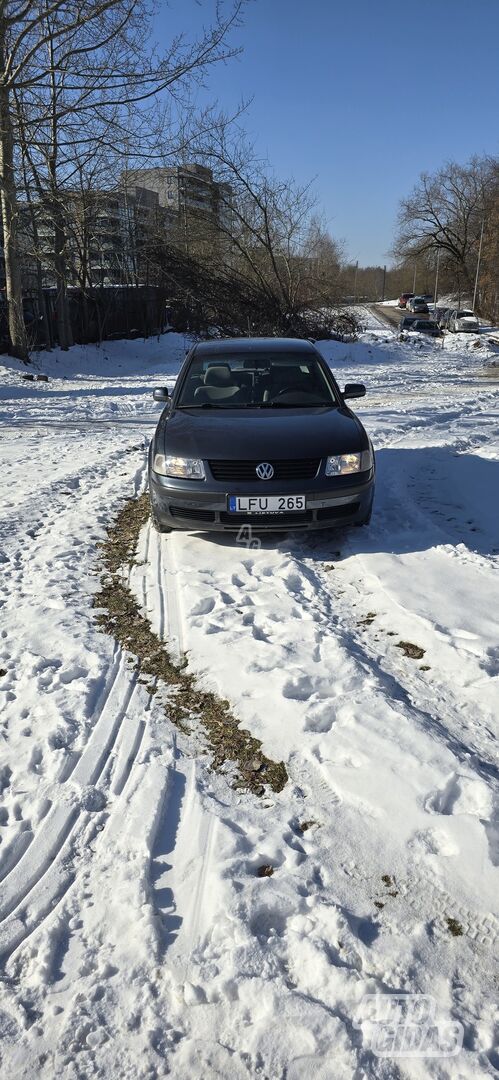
181 504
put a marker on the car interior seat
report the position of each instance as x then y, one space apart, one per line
218 385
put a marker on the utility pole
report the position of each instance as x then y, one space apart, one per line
478 264
435 294
383 287
355 282
414 279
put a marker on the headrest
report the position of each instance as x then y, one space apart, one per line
218 375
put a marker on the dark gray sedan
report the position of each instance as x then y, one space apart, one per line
257 433
426 326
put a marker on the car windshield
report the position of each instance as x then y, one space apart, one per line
465 315
249 380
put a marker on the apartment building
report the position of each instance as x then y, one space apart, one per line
184 189
106 232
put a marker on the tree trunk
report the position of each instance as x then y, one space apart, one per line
64 331
42 305
10 218
39 273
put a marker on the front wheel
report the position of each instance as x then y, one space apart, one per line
157 524
366 519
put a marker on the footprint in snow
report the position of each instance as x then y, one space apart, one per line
320 717
433 842
269 922
461 794
299 688
203 607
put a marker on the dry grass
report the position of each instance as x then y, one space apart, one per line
118 613
415 652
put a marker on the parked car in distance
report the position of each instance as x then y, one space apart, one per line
441 315
426 326
406 323
418 305
258 434
404 298
463 321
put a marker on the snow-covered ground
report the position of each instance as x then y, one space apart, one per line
137 939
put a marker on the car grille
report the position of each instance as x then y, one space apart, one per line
192 513
245 471
265 521
330 513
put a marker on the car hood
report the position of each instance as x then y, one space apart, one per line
249 434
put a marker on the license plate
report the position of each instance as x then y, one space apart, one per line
266 504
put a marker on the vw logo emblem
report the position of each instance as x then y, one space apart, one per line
265 471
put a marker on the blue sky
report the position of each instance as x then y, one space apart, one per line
361 95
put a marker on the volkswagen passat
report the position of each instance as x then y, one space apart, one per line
257 433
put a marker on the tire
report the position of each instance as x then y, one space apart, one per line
157 524
365 520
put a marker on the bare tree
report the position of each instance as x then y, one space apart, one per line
260 259
488 278
66 62
444 214
267 235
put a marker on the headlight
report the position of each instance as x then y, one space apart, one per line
184 468
342 464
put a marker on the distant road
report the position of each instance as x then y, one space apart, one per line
391 315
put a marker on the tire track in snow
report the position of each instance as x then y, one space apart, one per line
183 853
42 874
18 847
47 520
171 604
426 898
41 510
443 723
206 841
419 891
162 589
45 871
334 618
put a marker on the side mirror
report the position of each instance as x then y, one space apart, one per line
161 393
354 390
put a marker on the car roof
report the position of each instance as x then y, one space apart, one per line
255 345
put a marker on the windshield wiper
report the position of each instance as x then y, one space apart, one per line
205 405
262 405
294 405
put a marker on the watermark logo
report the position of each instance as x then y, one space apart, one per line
406 1026
246 538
